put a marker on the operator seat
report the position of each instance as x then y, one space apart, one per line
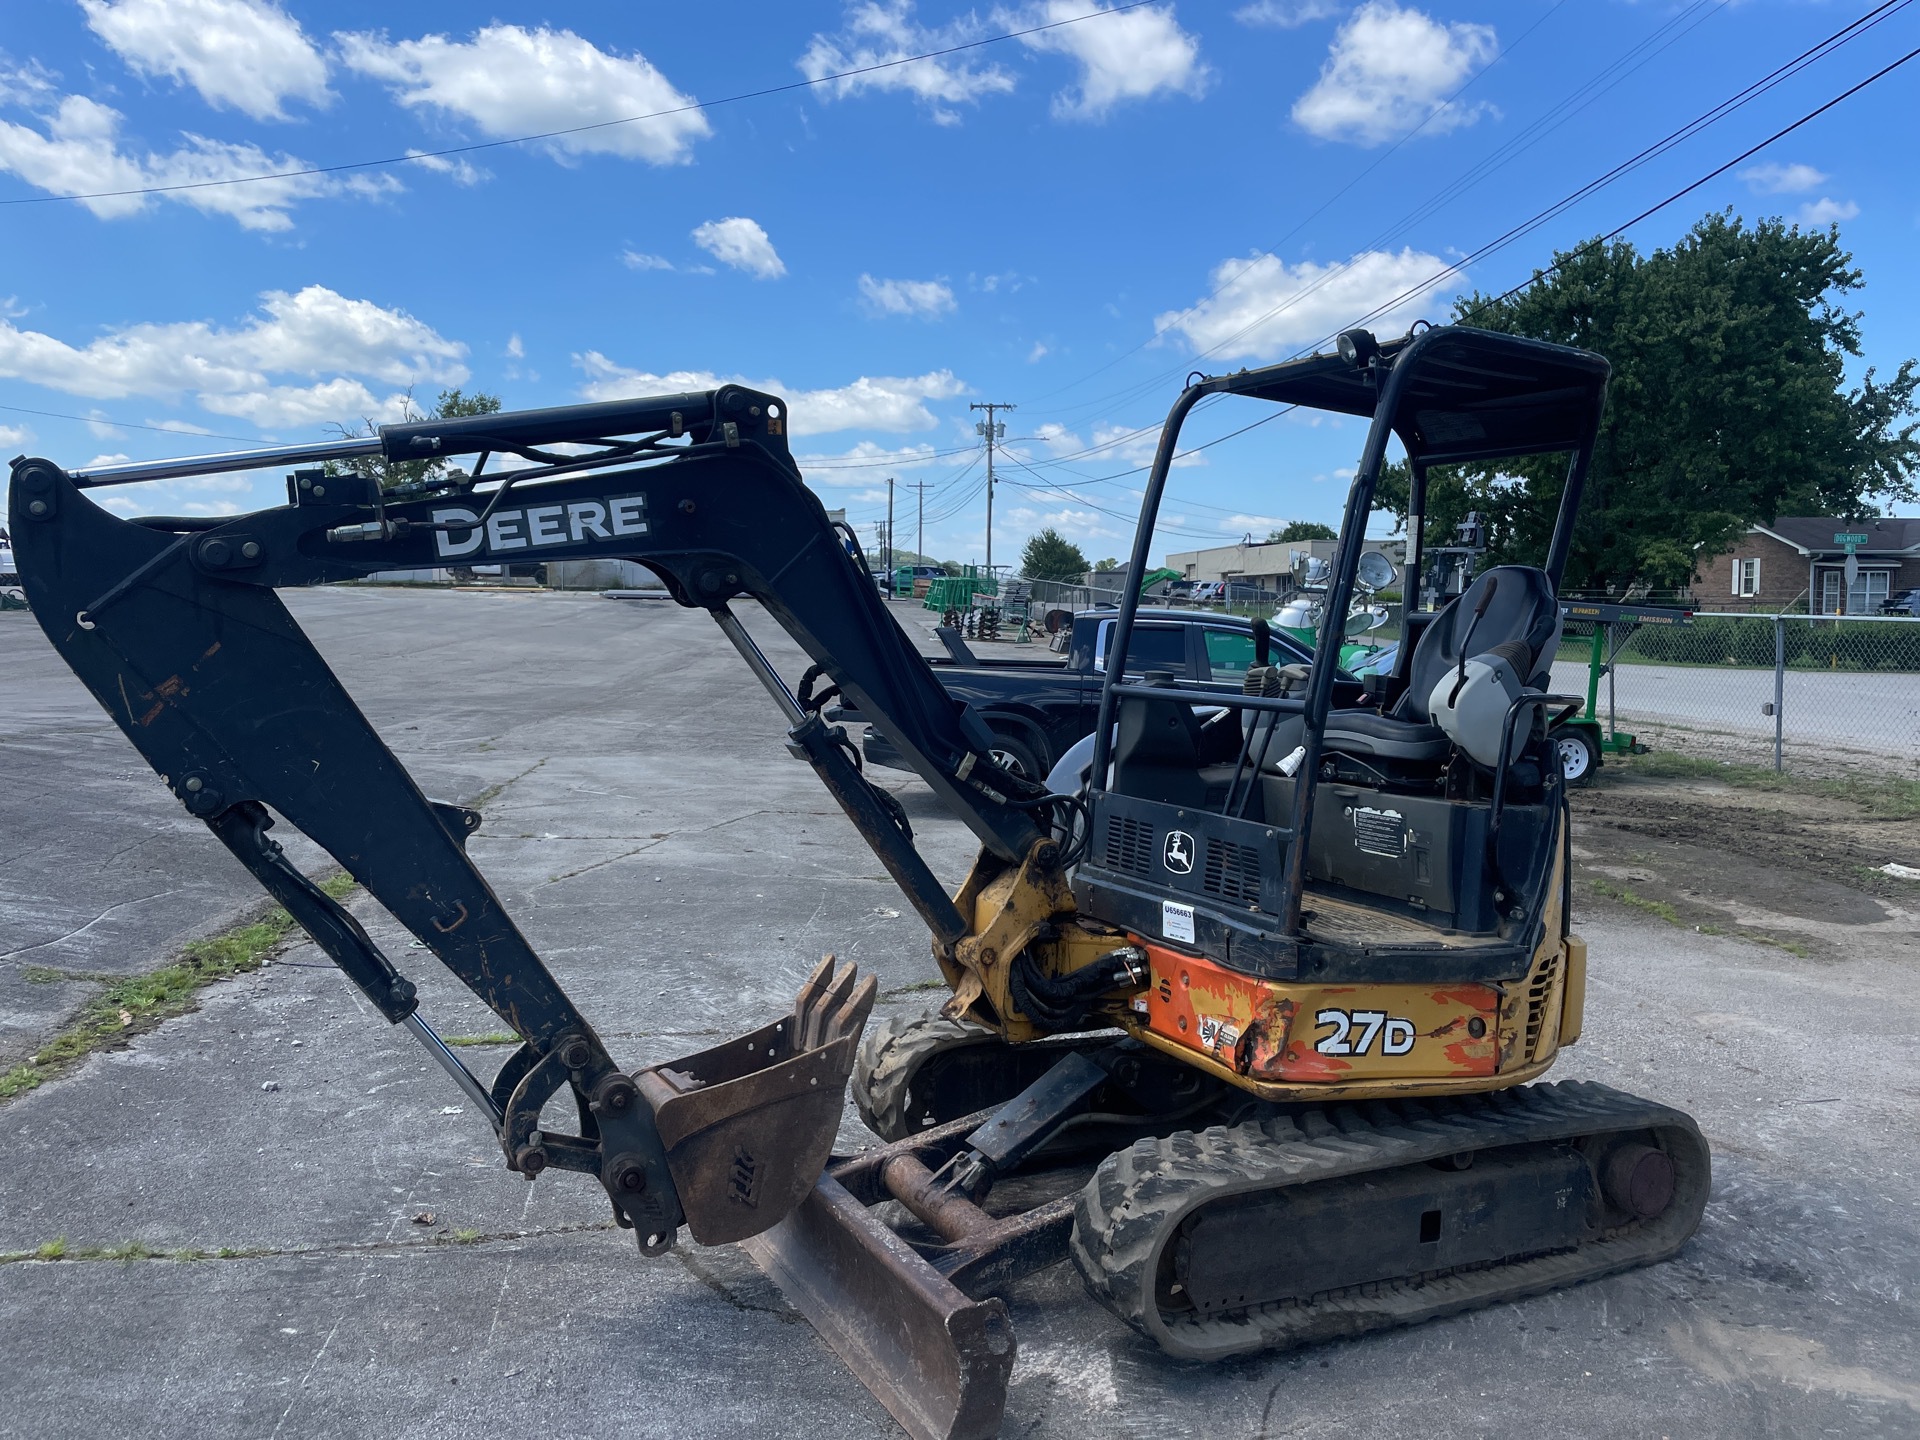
1522 623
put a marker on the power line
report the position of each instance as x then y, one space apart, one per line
1686 190
417 155
129 425
1673 138
1438 110
893 461
1617 231
1845 35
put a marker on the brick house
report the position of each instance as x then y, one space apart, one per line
1776 567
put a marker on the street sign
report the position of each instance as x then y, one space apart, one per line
1841 537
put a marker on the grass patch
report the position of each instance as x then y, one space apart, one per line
918 985
466 1237
42 975
1660 909
499 1037
134 1004
1892 797
1639 902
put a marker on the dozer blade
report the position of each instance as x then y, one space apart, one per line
936 1359
749 1125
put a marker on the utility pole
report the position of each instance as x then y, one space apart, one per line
920 499
992 430
889 545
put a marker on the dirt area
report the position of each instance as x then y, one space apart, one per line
1801 871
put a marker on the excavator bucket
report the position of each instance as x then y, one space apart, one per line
749 1125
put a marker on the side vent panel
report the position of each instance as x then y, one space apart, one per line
1233 871
1129 845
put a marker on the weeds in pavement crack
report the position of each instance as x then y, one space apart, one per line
131 1005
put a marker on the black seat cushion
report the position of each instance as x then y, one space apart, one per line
1368 732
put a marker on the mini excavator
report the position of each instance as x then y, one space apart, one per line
1246 1027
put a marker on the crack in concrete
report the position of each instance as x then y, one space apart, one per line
56 1254
58 939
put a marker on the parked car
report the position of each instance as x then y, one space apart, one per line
1038 708
1207 592
1903 602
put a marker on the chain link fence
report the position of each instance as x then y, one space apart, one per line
1239 598
1810 695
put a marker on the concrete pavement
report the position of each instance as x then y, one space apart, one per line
681 873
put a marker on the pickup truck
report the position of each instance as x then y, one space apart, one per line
1038 708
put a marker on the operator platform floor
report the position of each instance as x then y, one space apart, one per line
386 1277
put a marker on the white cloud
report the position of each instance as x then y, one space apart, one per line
515 350
925 298
1125 56
116 458
1773 179
1265 306
638 260
316 333
11 435
1286 14
878 32
1011 281
865 461
1036 354
336 401
741 243
1389 69
1826 211
878 402
464 172
80 153
509 80
244 55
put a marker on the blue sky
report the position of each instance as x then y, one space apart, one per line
1069 221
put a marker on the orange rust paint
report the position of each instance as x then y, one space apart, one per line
210 652
171 686
1270 1030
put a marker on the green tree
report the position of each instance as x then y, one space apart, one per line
1296 531
1729 404
394 473
1110 563
1048 556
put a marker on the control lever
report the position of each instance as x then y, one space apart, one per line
1479 612
1262 642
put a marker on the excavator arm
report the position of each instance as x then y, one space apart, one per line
175 626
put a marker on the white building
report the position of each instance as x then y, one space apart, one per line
1269 566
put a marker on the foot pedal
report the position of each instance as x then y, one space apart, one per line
749 1125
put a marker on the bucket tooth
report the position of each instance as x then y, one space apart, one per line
938 1360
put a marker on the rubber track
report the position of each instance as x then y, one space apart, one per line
1134 1205
891 1055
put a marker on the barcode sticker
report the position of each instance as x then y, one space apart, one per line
1176 921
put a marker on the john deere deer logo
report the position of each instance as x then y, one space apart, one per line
1177 854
